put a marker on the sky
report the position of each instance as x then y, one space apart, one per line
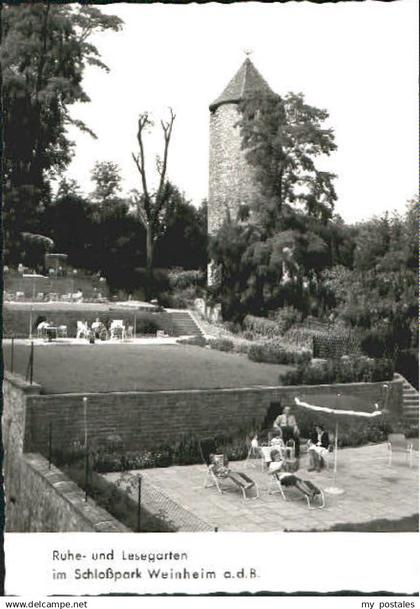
357 60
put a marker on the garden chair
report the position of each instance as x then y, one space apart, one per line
283 481
398 443
117 329
82 330
42 330
254 451
262 452
218 473
62 331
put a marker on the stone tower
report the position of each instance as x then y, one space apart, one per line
231 178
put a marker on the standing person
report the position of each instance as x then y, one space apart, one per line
318 448
286 424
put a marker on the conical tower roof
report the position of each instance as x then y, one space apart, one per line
247 80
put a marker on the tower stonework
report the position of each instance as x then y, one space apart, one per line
231 178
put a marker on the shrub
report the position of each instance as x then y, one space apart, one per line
232 326
178 298
383 370
260 326
196 341
345 370
146 326
186 451
182 451
286 317
180 279
407 364
248 335
241 347
273 352
221 344
299 336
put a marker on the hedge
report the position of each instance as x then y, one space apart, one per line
344 370
221 344
273 352
196 341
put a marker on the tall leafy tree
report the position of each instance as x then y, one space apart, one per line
45 50
106 176
184 240
380 293
282 139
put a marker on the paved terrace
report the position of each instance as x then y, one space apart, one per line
372 491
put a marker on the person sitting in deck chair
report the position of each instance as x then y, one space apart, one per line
219 465
218 469
284 479
318 447
307 489
277 463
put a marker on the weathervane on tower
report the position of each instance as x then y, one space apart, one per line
248 51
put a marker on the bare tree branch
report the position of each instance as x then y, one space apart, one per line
167 133
143 122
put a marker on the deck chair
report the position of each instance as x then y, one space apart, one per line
282 481
218 473
398 443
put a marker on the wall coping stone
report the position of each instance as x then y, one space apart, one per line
262 388
90 512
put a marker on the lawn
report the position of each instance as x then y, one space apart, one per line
127 367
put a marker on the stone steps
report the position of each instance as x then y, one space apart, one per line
410 402
185 324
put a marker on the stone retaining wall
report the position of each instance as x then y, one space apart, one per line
150 419
39 497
